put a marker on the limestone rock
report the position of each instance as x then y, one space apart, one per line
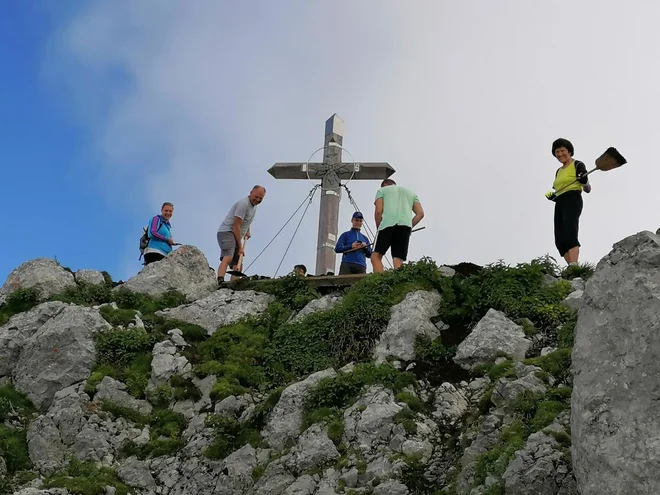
166 362
314 449
19 329
574 300
391 488
616 363
184 269
91 277
409 319
44 274
222 307
540 467
286 418
370 421
451 404
136 473
494 335
321 304
60 353
114 391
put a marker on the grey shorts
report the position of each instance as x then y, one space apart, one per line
227 243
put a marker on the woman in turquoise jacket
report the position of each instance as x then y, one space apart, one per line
160 235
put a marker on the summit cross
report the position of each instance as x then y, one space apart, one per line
331 172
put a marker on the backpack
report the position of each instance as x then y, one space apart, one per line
144 239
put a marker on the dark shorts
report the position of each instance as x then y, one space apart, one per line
396 237
227 243
151 257
351 268
568 208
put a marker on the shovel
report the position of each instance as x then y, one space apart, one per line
239 266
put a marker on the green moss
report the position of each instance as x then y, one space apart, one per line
412 401
13 446
582 270
519 292
495 461
533 411
85 478
505 369
406 418
19 301
118 317
433 352
557 363
348 331
165 427
344 389
230 435
14 404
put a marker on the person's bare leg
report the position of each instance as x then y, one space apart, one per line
573 254
377 262
398 263
224 264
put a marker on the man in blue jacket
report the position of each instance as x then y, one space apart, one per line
357 243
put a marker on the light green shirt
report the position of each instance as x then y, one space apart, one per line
397 206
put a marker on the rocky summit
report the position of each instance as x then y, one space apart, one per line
429 380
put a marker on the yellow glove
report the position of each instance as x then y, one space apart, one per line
550 195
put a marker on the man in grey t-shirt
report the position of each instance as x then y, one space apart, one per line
235 227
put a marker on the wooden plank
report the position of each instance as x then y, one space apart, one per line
325 281
335 280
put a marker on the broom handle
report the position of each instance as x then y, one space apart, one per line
239 265
567 185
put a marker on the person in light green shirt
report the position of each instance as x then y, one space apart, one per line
394 220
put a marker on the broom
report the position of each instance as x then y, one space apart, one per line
609 160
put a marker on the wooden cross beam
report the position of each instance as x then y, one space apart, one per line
330 172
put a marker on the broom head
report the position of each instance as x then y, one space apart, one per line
609 160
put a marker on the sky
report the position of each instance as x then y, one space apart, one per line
113 107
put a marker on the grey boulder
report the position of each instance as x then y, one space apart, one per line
44 274
184 269
616 364
495 335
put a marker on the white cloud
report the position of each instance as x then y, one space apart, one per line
196 101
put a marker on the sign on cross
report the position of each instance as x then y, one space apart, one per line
330 172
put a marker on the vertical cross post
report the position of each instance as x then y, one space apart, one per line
330 172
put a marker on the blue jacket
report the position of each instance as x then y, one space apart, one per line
158 235
344 243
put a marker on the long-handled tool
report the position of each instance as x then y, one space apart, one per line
609 160
372 243
239 266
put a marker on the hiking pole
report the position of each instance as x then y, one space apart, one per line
609 160
374 242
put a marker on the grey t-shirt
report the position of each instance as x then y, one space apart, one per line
242 209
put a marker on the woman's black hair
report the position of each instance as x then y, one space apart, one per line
562 143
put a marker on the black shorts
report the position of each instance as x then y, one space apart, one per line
397 237
152 257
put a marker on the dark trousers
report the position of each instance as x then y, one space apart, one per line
351 268
568 208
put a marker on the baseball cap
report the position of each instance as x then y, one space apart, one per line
357 214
